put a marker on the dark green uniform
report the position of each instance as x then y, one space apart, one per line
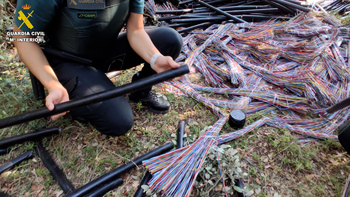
90 29
81 27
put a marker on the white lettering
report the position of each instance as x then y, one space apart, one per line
29 40
18 33
38 33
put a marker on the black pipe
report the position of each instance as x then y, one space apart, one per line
292 5
262 17
252 2
330 5
239 3
196 15
55 171
221 12
167 18
190 1
239 183
198 5
199 20
226 8
342 104
295 2
204 9
180 135
181 3
180 25
146 178
105 188
183 11
4 151
194 27
231 4
10 164
217 1
244 7
113 174
264 10
220 18
95 98
4 143
4 194
340 8
279 6
175 2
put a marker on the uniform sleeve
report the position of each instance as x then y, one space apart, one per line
137 6
35 15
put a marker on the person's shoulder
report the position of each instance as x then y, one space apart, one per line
50 3
37 4
35 15
137 6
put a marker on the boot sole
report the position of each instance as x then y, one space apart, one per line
158 111
151 109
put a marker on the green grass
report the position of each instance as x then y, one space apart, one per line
267 155
309 166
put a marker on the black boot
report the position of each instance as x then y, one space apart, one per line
155 101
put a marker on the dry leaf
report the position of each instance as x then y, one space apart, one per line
37 188
257 181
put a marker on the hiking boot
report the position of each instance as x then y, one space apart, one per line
155 101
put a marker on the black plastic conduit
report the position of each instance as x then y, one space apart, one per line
55 171
4 143
10 164
95 98
113 174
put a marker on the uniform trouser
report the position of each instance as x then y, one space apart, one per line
113 117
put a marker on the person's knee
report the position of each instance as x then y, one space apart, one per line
116 126
113 117
171 40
